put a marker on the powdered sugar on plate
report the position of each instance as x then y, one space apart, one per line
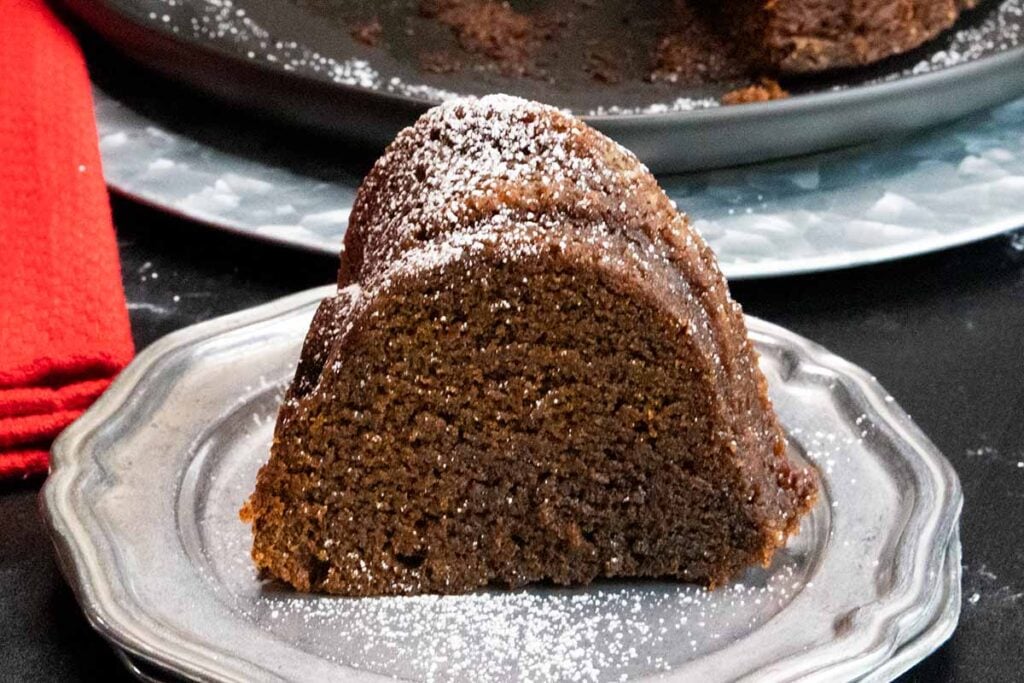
1000 31
227 23
607 632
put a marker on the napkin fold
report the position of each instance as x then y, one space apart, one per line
64 330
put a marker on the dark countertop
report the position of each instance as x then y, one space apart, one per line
943 333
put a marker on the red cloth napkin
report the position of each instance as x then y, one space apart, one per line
64 329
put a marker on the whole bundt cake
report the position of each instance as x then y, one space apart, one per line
532 371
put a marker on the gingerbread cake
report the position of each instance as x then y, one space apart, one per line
806 36
532 371
700 40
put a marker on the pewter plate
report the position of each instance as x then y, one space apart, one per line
935 190
294 60
145 489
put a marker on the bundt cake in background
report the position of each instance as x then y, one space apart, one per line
532 371
807 36
691 41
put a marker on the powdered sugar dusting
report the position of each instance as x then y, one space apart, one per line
226 21
1000 31
608 632
500 160
679 104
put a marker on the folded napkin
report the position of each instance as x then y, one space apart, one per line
64 329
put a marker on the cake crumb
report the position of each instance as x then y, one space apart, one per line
603 66
439 62
367 33
493 30
765 90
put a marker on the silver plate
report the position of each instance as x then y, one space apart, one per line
936 190
143 504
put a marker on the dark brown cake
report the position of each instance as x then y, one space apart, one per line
711 40
532 371
805 36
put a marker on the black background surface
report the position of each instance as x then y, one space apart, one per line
943 333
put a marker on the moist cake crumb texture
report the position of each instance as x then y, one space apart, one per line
532 372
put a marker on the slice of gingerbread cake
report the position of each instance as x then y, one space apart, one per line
532 371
